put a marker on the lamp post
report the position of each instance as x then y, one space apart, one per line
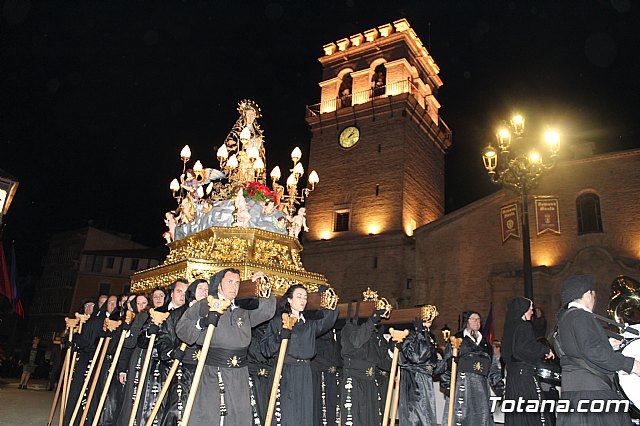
513 167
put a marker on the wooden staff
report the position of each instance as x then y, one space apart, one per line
86 380
157 318
397 336
165 387
81 318
114 364
396 398
455 345
55 398
215 305
288 322
109 326
70 325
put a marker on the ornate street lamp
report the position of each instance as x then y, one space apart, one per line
8 187
515 168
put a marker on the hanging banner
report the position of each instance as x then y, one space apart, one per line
547 215
510 221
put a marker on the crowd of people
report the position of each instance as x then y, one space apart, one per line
334 372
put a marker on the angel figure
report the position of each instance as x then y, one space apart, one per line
170 222
269 208
298 223
190 183
188 204
242 210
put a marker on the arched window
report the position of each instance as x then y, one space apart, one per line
379 80
588 209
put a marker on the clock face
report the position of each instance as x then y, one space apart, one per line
349 136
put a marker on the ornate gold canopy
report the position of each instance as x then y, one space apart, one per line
250 250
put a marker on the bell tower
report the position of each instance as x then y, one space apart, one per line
378 144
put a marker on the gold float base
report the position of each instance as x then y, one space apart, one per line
250 250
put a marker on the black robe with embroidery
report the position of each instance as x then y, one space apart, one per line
156 374
418 361
588 365
327 368
86 346
115 393
472 405
260 368
362 353
232 333
296 383
130 362
176 398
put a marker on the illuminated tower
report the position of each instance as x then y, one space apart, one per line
379 144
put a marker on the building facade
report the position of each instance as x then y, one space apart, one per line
377 218
462 263
79 264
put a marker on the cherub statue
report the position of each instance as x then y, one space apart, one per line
242 211
170 222
269 208
280 223
298 223
278 191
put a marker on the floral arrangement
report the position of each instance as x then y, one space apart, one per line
258 192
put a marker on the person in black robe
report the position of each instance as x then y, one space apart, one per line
588 358
383 367
520 352
107 310
362 353
418 363
157 370
260 369
85 344
56 362
115 393
296 383
225 366
476 374
169 351
326 367
131 360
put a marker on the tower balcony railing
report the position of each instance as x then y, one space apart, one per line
392 89
357 98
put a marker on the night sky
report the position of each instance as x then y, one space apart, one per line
98 97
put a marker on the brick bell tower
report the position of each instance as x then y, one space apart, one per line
378 144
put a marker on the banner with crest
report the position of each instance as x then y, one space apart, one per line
547 215
510 221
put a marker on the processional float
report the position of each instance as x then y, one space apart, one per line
228 217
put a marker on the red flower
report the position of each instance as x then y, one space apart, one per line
258 191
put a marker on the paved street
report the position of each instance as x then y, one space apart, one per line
24 407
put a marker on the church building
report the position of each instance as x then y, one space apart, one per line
377 219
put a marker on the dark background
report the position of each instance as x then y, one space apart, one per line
98 97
